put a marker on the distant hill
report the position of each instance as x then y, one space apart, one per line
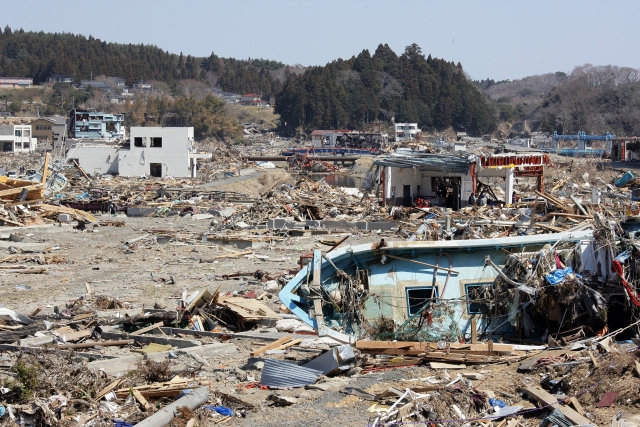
349 93
593 99
354 93
38 55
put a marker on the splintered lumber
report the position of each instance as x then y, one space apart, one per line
144 402
45 171
289 344
147 329
555 201
248 309
548 399
63 209
270 346
107 389
159 316
14 192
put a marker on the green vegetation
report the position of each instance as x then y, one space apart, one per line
266 63
206 114
364 89
27 372
39 55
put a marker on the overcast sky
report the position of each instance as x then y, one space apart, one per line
492 39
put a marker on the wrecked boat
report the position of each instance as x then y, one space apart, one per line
436 290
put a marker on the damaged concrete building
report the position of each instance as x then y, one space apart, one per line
153 151
449 180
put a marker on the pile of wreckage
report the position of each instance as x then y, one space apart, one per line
305 200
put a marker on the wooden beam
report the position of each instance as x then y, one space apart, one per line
148 407
474 331
270 346
147 329
107 389
548 399
45 171
289 344
17 190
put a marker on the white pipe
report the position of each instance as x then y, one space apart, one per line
192 400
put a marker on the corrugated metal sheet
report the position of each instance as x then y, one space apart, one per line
277 373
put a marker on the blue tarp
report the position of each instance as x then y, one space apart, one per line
558 275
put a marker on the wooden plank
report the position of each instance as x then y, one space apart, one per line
144 402
576 405
35 312
440 365
18 190
147 329
107 389
474 331
270 346
289 344
83 316
45 171
548 399
155 393
595 363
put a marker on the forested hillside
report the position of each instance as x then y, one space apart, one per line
410 88
342 94
38 55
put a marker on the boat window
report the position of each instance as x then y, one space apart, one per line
418 297
476 296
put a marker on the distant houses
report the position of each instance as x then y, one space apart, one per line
15 82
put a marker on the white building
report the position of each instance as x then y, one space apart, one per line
447 180
17 139
407 131
151 151
326 138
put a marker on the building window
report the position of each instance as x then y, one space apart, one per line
401 135
156 142
476 298
155 170
418 297
137 142
27 133
18 133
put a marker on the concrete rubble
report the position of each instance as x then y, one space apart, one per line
157 301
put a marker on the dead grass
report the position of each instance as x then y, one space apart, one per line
154 371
